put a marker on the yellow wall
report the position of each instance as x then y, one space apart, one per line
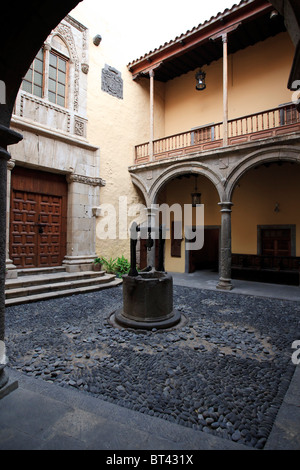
257 80
254 201
116 125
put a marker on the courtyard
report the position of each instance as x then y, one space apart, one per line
224 370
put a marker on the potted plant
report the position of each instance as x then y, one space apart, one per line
97 265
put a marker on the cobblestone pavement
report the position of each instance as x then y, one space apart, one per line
223 370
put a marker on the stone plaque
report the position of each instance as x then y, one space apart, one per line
112 82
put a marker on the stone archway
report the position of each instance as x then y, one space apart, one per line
181 169
153 187
21 35
264 190
284 153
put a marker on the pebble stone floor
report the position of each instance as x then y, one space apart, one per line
224 370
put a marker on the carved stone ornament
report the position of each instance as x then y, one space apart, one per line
74 178
79 128
112 82
85 68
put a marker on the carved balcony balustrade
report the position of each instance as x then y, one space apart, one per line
270 123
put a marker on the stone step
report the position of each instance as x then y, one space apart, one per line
71 283
33 285
25 281
39 271
62 293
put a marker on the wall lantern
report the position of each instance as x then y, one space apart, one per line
200 77
277 208
97 39
196 196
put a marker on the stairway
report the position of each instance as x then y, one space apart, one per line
34 285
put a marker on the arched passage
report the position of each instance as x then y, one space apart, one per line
282 153
265 218
173 189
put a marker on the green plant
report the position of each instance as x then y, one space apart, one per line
122 266
118 266
109 265
98 261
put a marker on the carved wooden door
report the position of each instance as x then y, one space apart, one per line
37 222
23 239
276 242
36 230
49 230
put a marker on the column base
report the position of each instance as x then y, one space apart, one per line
75 264
11 270
6 385
224 284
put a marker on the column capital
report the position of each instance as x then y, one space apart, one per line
8 136
47 46
152 210
11 164
226 206
225 37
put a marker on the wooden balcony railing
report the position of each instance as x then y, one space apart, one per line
271 123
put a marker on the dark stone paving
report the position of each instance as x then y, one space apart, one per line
224 370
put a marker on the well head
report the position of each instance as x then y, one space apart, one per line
148 301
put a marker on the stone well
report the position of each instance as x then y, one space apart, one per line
148 301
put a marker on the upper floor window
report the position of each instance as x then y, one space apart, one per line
57 79
33 81
47 76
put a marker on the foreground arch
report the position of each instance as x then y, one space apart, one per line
22 33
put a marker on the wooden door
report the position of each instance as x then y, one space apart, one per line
276 242
38 219
49 229
23 233
208 256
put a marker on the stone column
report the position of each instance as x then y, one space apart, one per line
11 268
152 222
225 91
7 137
225 249
83 196
151 140
47 49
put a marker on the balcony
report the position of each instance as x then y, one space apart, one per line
270 123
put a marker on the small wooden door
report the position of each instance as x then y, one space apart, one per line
38 220
208 256
276 242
